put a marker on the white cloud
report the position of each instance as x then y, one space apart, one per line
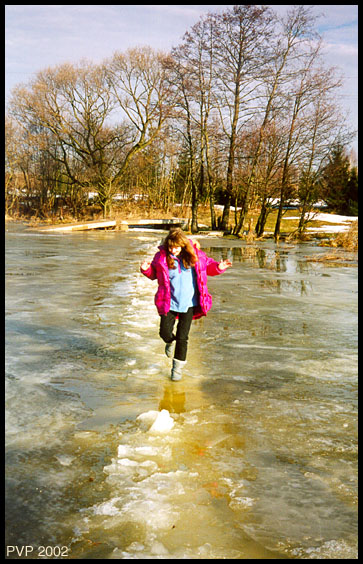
342 49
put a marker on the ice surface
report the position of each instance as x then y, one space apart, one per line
261 432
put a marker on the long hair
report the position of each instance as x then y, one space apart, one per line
177 238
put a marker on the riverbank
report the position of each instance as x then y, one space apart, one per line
326 229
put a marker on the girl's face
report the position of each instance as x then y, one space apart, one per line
174 250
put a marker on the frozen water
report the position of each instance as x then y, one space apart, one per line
252 455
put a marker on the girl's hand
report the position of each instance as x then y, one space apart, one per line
224 264
145 265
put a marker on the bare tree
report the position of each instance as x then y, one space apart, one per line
269 174
72 104
151 176
190 138
12 165
325 127
241 35
286 49
240 105
30 171
182 75
196 55
297 100
79 105
137 80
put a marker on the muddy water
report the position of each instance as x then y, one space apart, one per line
252 455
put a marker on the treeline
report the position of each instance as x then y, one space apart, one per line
242 112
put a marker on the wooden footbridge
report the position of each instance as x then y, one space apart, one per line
113 224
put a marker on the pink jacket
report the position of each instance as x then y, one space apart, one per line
204 267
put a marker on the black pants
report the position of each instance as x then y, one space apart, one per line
167 323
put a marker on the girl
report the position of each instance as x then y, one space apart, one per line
181 270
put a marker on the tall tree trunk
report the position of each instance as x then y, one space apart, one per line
210 183
224 221
279 216
243 213
302 220
194 225
229 183
261 222
283 189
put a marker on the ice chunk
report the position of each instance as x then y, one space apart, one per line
123 450
156 514
163 423
107 507
156 421
65 460
136 546
158 548
127 451
149 464
146 450
205 549
121 466
241 502
127 462
146 469
147 419
191 419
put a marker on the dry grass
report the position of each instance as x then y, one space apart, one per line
349 239
333 256
346 248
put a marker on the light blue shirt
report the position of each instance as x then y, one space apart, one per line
183 286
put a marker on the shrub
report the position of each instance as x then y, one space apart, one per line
349 239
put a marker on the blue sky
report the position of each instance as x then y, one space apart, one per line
38 36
